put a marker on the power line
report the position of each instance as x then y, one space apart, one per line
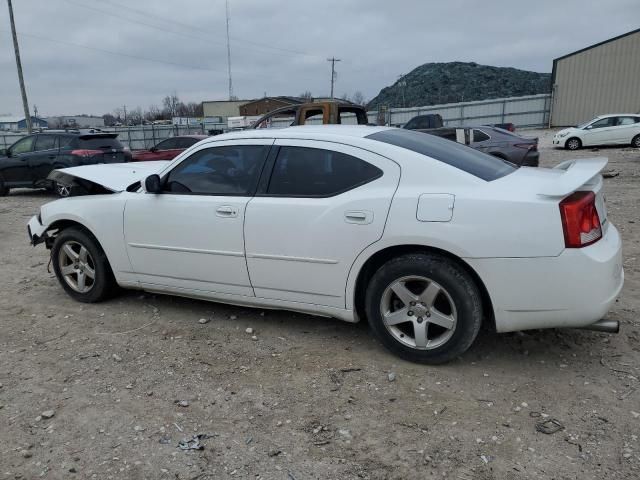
175 32
119 54
172 21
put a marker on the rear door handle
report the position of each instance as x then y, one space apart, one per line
226 211
362 217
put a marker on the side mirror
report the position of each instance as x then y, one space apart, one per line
152 184
588 127
153 149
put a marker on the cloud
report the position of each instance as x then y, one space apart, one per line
77 54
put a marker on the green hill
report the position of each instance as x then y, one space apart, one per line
437 83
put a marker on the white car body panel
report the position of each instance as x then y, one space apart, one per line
116 176
611 135
305 254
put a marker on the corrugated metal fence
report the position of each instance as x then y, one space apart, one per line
524 112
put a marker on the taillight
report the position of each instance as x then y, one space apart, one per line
580 220
86 153
528 146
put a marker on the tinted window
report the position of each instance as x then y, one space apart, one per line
480 136
99 143
232 170
46 142
605 122
186 142
314 172
168 144
22 146
455 154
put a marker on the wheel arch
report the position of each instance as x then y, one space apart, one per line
380 257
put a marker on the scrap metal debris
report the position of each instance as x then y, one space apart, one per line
194 443
550 426
610 173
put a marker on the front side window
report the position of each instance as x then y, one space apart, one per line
228 170
45 142
22 146
314 172
604 122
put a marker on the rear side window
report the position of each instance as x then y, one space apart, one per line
315 172
99 143
480 136
45 142
481 165
229 170
626 121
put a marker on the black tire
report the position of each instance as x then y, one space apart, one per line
4 190
461 293
635 143
103 285
573 143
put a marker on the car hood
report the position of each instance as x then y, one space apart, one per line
566 131
115 177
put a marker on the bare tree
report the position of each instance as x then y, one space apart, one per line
109 120
307 96
135 116
152 113
358 98
170 104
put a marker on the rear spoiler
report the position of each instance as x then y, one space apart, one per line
575 174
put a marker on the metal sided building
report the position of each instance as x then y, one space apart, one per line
603 78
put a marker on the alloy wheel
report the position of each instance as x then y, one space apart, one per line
573 144
77 266
418 312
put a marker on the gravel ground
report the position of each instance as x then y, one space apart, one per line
108 390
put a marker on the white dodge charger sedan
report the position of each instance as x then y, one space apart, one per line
422 237
612 129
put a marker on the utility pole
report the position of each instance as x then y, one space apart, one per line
124 108
402 84
35 110
333 61
229 53
23 90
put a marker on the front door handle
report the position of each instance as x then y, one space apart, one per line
227 211
362 217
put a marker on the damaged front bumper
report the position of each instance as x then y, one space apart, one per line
37 232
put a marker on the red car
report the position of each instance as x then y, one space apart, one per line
167 149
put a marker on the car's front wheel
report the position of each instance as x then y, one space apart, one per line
82 267
424 307
573 144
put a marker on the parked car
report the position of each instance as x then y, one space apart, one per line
612 129
424 237
329 113
500 143
167 149
422 122
28 162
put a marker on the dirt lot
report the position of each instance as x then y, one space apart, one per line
308 397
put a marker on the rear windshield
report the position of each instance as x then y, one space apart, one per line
481 165
97 143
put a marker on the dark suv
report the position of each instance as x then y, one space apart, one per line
28 162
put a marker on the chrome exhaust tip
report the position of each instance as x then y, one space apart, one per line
608 326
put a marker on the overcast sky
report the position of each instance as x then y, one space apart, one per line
278 46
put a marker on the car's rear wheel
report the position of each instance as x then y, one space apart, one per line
573 144
424 307
82 267
636 141
4 190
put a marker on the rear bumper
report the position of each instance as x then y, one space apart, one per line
572 290
531 159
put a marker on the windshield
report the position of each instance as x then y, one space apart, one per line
486 167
